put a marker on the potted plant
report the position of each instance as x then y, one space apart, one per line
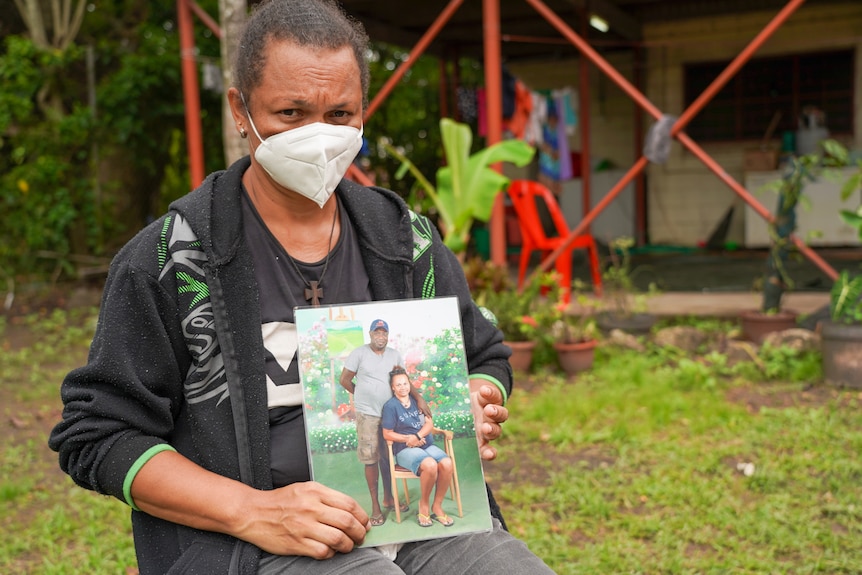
625 305
841 335
516 313
467 185
575 335
757 324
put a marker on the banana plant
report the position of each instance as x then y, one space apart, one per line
467 186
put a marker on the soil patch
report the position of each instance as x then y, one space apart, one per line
785 395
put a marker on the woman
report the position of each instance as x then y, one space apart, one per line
190 407
408 424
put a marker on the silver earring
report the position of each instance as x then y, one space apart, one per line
242 133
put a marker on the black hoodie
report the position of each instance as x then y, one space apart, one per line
177 358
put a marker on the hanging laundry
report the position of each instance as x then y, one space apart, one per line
538 116
567 98
517 123
509 82
563 138
549 151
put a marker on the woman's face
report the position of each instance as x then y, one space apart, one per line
301 85
401 385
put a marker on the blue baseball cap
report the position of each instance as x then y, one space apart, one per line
379 324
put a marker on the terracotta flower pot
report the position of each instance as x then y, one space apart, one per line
756 325
522 354
576 357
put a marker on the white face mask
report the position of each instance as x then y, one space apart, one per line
311 159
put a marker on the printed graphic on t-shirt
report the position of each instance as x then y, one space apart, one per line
282 369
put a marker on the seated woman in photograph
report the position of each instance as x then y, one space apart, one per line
407 423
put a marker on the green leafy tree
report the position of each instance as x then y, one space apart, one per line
72 177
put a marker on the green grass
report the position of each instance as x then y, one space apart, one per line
52 526
668 494
635 467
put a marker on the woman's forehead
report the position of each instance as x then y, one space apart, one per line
291 67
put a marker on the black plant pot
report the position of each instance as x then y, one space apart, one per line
634 324
841 346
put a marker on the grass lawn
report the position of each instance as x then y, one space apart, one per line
654 462
641 467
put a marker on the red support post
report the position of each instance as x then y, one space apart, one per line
191 93
494 91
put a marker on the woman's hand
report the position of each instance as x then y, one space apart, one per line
413 441
300 519
488 411
304 519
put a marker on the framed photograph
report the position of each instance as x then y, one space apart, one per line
355 343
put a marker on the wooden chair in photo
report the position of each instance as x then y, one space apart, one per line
527 197
397 472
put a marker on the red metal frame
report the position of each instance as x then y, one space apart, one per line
679 125
494 95
417 51
493 83
191 93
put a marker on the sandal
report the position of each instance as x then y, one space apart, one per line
378 520
424 520
444 519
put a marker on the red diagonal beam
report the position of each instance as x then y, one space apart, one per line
208 20
678 126
417 51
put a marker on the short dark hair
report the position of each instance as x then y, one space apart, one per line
314 23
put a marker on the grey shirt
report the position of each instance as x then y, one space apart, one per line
372 377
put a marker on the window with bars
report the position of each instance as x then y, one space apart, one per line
744 108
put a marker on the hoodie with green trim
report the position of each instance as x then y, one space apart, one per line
177 358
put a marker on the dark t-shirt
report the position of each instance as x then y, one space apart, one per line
404 420
281 289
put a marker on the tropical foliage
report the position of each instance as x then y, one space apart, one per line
89 127
521 313
92 128
846 295
467 185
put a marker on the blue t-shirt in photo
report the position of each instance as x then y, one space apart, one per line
404 420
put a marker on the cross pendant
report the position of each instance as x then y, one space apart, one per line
313 293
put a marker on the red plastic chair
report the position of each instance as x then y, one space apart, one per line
526 195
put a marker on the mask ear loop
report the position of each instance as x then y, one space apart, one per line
250 121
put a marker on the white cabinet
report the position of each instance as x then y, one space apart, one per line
820 214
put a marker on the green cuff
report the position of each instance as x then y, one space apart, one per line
136 467
493 380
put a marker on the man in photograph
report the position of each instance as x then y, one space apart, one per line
366 376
